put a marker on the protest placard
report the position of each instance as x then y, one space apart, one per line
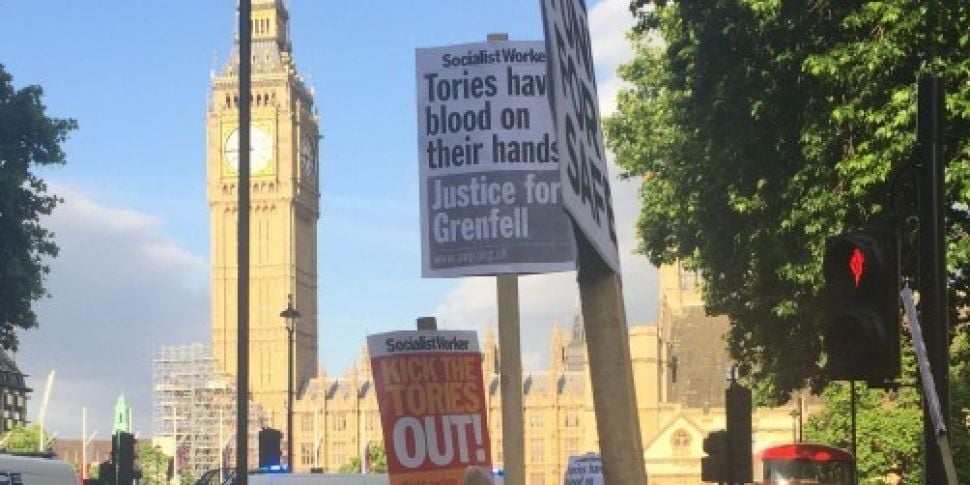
489 162
432 402
584 470
572 83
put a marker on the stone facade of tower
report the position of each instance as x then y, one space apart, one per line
283 213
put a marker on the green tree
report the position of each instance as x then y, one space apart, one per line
28 139
377 462
890 424
889 430
762 127
24 439
154 465
960 403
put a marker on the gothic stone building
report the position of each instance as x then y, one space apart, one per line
679 368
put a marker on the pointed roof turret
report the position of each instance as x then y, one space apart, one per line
271 49
557 351
122 421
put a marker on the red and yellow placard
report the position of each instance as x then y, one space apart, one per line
432 402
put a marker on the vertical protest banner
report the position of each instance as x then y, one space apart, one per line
572 81
588 200
431 398
489 162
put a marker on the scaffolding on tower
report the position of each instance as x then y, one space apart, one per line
194 409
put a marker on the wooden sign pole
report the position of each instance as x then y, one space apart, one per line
513 429
611 373
510 367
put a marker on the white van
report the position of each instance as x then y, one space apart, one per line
318 479
28 470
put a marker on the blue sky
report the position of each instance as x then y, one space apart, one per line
134 228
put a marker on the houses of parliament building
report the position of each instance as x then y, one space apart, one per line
679 367
679 363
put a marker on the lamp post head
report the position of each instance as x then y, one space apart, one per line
290 313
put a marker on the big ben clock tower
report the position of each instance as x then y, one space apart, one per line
285 206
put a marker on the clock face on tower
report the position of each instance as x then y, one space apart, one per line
260 151
308 157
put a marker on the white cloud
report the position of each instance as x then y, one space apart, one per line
609 21
120 288
548 299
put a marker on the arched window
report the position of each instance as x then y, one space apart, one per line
680 442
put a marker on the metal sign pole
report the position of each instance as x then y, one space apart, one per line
932 263
855 461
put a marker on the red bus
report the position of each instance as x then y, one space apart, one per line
807 464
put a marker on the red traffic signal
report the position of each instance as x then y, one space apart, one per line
857 263
860 305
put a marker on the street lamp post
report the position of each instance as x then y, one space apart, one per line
290 314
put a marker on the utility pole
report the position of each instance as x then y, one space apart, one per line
290 314
931 119
932 264
221 445
84 443
242 241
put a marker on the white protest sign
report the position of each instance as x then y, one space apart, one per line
584 470
586 181
489 162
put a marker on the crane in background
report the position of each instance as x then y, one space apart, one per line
43 411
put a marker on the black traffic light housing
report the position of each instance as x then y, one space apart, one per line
714 465
106 473
269 447
861 306
739 408
123 452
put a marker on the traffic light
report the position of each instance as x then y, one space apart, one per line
861 295
714 465
106 473
124 453
269 448
739 434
